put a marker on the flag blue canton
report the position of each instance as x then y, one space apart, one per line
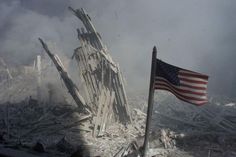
168 72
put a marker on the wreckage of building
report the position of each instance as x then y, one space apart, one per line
105 97
31 114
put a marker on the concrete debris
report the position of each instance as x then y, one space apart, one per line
63 130
96 118
207 118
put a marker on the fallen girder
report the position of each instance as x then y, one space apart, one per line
73 90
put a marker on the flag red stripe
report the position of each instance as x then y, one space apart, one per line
193 81
181 90
186 100
184 85
179 87
189 86
193 74
179 94
156 86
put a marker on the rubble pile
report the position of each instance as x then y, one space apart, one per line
216 116
60 128
55 118
24 121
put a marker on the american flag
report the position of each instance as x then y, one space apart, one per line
186 85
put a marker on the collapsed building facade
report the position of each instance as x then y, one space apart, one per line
105 96
102 102
103 80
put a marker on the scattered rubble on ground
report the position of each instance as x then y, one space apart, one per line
38 117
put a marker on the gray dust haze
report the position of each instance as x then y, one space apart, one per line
199 34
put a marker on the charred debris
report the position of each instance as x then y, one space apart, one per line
102 121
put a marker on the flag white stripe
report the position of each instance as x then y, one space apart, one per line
189 72
188 100
193 84
179 92
182 87
192 78
186 85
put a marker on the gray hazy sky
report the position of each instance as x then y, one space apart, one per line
195 34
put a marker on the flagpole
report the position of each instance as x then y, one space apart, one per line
150 102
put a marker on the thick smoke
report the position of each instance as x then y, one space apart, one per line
197 34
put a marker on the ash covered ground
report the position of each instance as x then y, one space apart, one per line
38 117
53 127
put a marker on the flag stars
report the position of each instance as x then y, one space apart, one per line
168 71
